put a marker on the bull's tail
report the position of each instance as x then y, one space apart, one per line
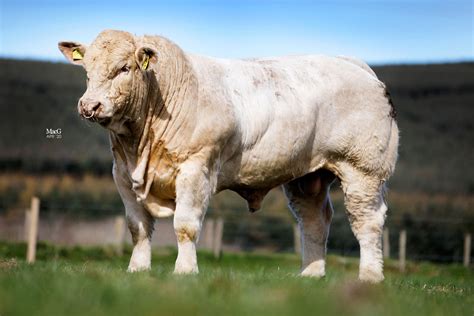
391 153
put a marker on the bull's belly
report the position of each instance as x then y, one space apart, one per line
258 175
252 171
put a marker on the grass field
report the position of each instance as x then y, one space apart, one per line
94 282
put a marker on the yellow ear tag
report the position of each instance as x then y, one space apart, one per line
145 62
76 54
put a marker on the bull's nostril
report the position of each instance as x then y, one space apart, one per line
96 106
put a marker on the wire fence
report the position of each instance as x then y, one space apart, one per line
433 239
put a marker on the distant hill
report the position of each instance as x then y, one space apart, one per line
35 96
435 106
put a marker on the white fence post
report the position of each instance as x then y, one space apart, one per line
26 228
208 239
402 251
119 227
32 229
467 249
297 238
386 243
218 234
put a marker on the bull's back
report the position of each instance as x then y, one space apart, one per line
288 111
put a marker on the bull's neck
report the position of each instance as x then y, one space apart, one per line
167 118
178 95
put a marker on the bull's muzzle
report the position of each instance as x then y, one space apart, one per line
89 108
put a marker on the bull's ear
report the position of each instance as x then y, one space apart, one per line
145 56
73 51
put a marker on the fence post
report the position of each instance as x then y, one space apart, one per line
386 243
32 229
119 227
209 236
218 234
26 228
297 238
402 251
467 249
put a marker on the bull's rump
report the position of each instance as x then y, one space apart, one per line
295 113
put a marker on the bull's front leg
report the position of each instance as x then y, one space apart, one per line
193 190
139 221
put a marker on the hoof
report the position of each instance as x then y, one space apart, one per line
185 270
369 276
315 270
134 268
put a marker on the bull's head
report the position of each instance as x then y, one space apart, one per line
118 73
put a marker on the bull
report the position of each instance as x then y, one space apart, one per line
184 127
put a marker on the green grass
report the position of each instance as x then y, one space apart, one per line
94 282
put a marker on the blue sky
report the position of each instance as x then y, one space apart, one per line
379 31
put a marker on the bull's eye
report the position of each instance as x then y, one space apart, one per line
125 69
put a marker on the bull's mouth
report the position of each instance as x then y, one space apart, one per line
104 121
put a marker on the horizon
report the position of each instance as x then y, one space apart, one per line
376 64
381 32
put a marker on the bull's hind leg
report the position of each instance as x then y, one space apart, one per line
309 201
363 197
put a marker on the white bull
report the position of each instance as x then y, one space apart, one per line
184 127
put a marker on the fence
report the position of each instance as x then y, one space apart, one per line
235 233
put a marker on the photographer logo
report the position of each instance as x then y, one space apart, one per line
52 133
